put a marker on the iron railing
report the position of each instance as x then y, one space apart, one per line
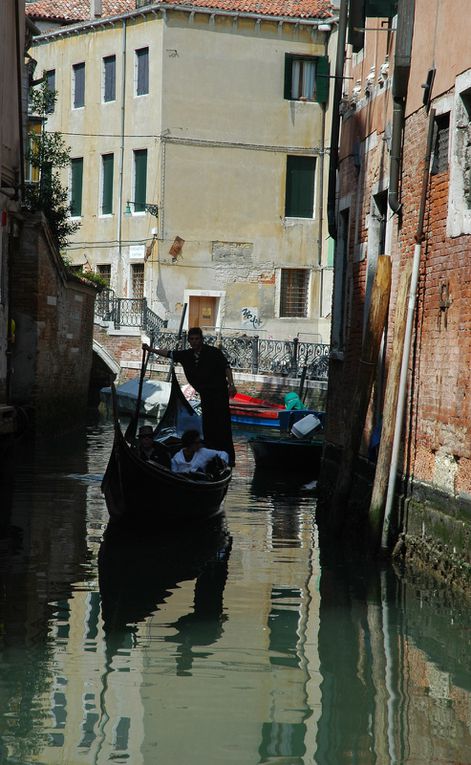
256 355
127 312
289 358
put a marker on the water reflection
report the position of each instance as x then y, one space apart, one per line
387 692
138 574
232 646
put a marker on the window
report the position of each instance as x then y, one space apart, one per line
140 179
109 78
50 78
79 85
299 200
104 270
137 280
142 71
107 167
76 183
440 153
294 291
306 78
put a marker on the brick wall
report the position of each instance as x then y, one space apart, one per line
53 311
440 421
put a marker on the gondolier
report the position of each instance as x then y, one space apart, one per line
208 371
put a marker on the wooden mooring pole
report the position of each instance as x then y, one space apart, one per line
362 390
380 486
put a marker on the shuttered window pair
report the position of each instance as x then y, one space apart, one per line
78 85
300 176
140 180
109 78
76 185
142 71
107 172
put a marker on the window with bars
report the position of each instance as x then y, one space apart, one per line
137 280
76 184
104 270
440 152
142 71
300 174
109 78
107 169
78 85
294 292
140 180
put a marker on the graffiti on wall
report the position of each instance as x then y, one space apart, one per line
249 318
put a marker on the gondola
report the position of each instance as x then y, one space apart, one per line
144 494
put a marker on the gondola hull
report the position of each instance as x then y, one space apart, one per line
143 494
287 454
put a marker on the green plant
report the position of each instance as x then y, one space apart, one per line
95 278
48 154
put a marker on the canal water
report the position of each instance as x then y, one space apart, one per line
237 646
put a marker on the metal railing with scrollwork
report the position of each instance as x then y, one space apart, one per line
127 312
259 356
245 354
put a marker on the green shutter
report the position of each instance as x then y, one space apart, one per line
76 187
140 179
322 79
107 181
288 71
300 187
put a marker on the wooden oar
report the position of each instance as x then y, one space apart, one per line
179 337
130 433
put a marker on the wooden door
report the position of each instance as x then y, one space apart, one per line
202 312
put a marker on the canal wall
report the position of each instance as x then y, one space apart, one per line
431 527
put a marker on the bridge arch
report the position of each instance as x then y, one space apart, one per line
107 358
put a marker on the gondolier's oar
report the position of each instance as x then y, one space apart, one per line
179 337
130 433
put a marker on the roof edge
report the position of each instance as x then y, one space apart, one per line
163 8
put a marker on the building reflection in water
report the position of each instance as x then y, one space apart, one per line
388 695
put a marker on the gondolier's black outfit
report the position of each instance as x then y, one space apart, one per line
206 372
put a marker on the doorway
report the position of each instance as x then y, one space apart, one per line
202 311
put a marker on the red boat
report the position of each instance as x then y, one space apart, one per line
248 410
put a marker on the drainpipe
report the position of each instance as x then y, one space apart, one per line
19 85
119 235
402 391
335 128
400 85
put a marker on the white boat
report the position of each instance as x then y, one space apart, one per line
154 398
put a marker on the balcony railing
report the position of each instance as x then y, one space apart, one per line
127 312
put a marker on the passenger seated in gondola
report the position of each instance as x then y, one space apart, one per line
149 450
193 457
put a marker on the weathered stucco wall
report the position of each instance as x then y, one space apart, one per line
217 130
